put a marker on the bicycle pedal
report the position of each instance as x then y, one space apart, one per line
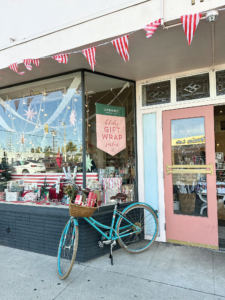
100 244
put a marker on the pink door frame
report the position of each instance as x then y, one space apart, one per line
184 229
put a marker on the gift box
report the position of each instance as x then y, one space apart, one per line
108 193
78 200
53 192
12 196
91 200
2 196
14 186
99 196
29 196
112 183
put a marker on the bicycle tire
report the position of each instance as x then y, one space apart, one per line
63 275
134 219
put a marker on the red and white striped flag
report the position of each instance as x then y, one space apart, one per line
28 62
61 58
151 28
90 55
190 23
14 67
121 45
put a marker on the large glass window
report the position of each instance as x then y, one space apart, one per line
110 134
193 87
42 139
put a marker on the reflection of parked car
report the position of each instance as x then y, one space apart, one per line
28 166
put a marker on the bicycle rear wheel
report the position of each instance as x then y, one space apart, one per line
67 249
143 217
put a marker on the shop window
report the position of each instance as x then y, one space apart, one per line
110 135
41 138
193 87
220 83
156 93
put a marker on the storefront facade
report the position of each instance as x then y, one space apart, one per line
171 93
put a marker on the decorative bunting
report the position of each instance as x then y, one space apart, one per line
90 55
190 23
151 28
121 45
61 58
16 103
28 62
14 67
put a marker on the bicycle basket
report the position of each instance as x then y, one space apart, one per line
81 211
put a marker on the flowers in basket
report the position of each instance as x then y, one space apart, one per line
71 191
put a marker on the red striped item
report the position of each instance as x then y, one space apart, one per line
90 55
28 62
190 23
14 67
151 28
121 45
61 58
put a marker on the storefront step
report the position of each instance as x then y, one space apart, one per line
39 230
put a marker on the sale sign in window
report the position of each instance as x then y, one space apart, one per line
110 128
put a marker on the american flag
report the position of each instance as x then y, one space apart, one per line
28 62
151 28
190 23
61 58
14 67
121 46
90 55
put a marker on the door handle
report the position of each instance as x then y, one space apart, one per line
184 169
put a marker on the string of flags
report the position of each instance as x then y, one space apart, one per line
189 22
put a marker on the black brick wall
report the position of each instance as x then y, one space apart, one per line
38 229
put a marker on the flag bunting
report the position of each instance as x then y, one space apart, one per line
14 67
28 62
61 58
121 45
151 28
90 55
190 23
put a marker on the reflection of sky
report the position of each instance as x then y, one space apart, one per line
183 128
44 109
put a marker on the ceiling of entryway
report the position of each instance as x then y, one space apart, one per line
167 52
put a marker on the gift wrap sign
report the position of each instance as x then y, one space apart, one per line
110 128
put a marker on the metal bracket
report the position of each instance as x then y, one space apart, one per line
193 169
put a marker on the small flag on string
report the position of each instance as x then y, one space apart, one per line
121 45
190 23
61 58
151 28
14 67
28 62
90 55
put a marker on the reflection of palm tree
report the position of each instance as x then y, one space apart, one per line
71 147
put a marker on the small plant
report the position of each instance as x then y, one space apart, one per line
44 187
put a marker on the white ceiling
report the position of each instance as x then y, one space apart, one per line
167 52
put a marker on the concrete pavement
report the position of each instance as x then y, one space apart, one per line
164 271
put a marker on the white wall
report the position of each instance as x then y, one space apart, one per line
35 24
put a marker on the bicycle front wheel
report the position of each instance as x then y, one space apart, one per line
67 249
138 229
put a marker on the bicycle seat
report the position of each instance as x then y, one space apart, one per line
119 196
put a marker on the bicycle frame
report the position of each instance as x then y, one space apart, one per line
111 229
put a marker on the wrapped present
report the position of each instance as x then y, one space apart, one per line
2 196
128 189
99 195
78 200
29 196
14 186
12 196
91 200
53 192
108 193
112 183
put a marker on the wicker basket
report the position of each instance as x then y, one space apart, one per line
187 203
81 211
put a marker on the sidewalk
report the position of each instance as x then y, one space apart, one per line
164 271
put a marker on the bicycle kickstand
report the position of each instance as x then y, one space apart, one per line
111 248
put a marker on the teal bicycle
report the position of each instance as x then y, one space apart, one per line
135 230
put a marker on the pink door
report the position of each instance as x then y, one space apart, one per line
189 180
